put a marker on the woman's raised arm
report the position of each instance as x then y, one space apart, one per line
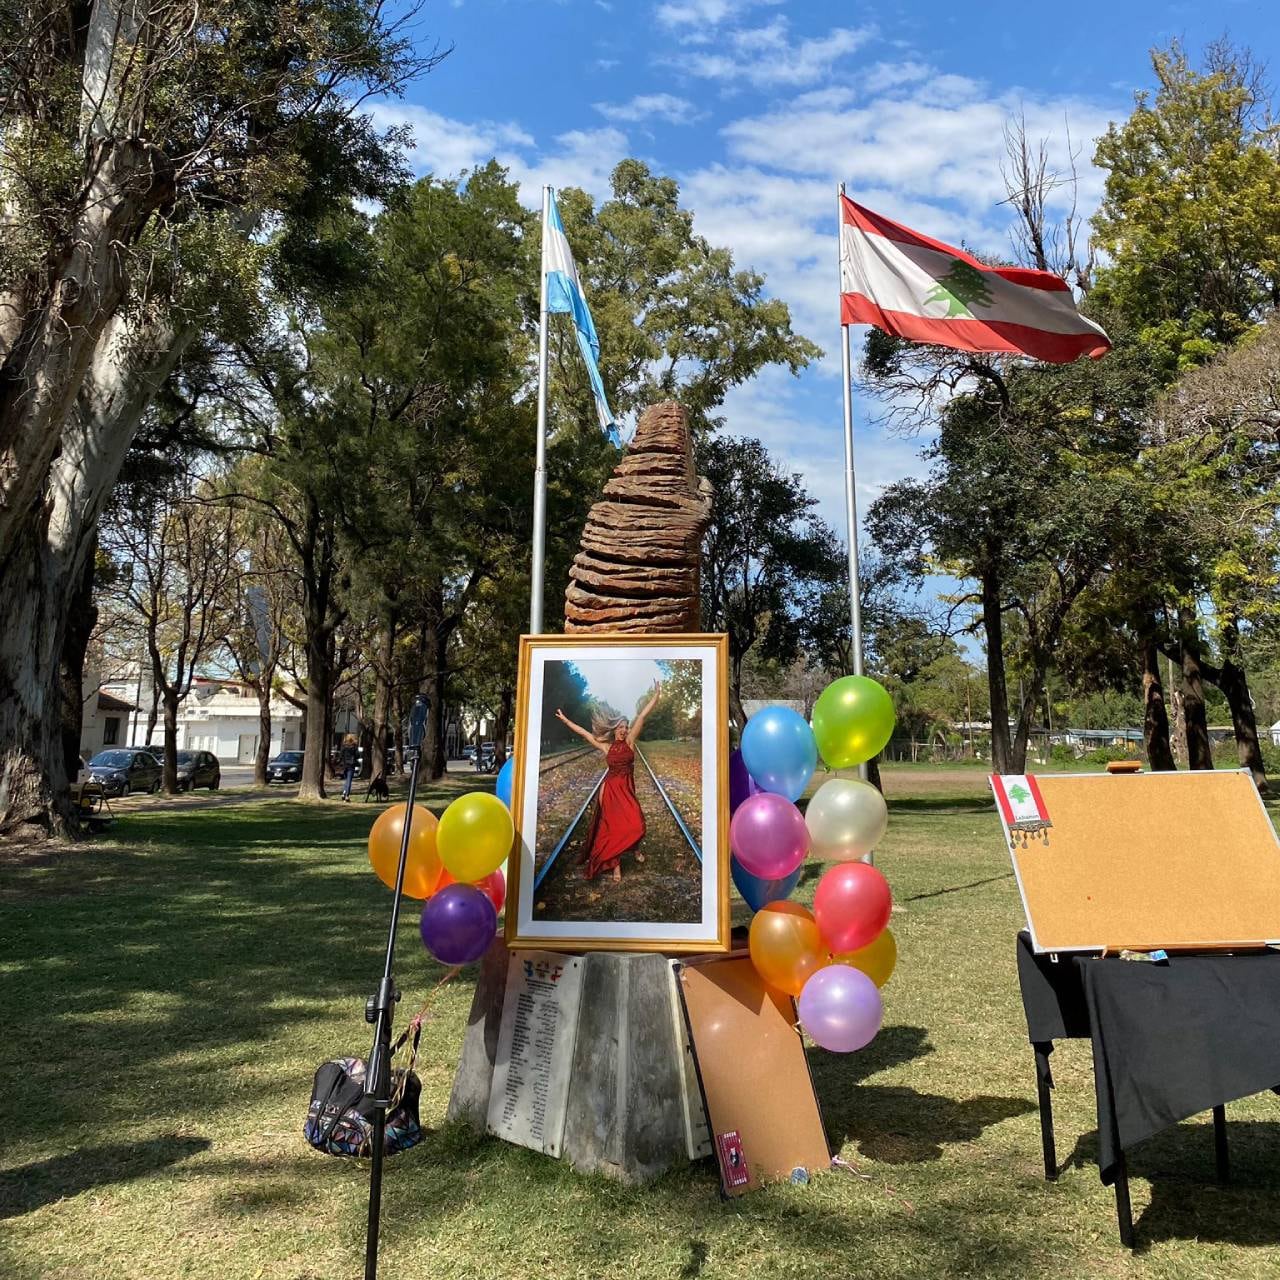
637 725
585 734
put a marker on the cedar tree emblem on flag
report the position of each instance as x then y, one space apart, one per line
1022 807
921 289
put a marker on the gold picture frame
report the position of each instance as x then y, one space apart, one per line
531 869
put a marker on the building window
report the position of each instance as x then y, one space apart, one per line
110 731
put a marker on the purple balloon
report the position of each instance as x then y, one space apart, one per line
840 1008
769 836
458 924
741 783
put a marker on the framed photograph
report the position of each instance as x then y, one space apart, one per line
621 794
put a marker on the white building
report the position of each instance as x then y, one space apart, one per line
222 716
217 715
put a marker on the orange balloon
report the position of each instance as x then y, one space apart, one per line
422 866
786 946
877 959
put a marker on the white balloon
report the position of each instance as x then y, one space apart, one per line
846 820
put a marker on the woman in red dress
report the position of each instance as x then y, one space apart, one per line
617 826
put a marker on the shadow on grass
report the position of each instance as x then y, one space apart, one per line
157 969
942 804
30 1186
895 1124
959 888
1187 1203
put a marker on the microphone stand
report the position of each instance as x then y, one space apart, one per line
380 1006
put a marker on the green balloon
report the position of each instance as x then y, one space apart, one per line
852 721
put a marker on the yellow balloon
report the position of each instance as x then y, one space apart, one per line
476 832
786 946
877 959
422 865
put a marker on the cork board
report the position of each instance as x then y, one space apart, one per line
752 1070
1174 860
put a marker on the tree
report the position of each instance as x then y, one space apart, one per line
141 148
175 555
766 556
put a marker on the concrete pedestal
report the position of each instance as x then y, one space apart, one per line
632 1100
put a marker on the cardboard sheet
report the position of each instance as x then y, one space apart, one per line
754 1076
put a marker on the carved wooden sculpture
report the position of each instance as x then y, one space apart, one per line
637 569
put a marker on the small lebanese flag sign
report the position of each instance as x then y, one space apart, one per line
1021 806
918 288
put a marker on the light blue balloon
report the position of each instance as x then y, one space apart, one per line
757 893
505 781
779 751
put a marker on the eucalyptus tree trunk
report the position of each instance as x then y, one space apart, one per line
263 755
993 626
1199 750
1155 716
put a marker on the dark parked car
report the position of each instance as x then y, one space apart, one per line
121 770
198 769
286 767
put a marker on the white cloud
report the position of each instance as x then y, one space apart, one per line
704 13
581 158
444 146
891 75
649 106
767 57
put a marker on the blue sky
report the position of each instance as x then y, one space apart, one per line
758 107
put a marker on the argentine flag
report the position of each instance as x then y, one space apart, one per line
564 293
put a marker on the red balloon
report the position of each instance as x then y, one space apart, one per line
493 886
851 905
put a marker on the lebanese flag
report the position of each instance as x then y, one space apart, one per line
921 289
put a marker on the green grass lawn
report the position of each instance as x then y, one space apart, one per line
169 992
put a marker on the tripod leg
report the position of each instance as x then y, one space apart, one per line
375 1194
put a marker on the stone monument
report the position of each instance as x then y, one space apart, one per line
630 1106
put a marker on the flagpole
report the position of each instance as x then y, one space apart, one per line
850 500
540 466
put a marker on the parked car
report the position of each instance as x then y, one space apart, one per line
286 767
487 758
469 751
198 769
121 770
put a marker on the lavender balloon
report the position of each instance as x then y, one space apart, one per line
458 924
741 783
768 836
840 1008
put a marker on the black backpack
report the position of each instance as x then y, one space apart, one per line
340 1117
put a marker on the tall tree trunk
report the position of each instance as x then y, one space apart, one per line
170 775
262 756
1155 717
80 621
737 713
993 626
502 726
382 669
1199 751
1234 683
316 753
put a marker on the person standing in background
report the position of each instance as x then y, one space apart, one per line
348 761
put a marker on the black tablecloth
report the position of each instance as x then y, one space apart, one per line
1169 1040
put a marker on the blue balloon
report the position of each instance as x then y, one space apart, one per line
506 780
779 751
755 892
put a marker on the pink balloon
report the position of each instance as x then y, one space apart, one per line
768 836
840 1008
851 905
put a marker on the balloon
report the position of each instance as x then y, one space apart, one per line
475 837
877 959
505 781
756 892
779 751
741 783
852 721
422 866
458 924
493 886
840 1008
769 836
851 905
846 819
785 946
